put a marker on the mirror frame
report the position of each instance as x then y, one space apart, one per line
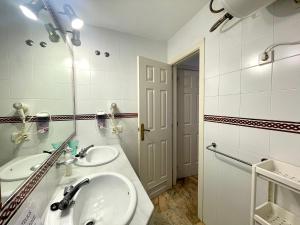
15 201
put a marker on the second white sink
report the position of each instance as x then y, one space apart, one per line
98 155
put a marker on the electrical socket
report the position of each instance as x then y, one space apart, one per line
117 129
266 58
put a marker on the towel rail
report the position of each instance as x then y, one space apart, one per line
214 145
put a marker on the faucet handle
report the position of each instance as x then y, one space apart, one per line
68 189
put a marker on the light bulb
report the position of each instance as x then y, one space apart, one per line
28 12
77 23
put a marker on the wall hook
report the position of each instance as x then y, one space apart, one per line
29 42
43 44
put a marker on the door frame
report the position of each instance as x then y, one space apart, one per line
199 47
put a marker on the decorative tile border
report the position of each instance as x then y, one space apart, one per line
11 206
13 119
93 116
276 125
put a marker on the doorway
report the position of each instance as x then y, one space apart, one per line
158 116
188 116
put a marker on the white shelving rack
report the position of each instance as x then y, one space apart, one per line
277 174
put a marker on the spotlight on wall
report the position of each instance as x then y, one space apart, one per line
76 22
32 9
53 36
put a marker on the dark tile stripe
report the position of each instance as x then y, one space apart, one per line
13 119
276 125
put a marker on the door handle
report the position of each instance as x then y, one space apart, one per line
143 131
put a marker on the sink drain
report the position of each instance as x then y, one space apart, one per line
90 222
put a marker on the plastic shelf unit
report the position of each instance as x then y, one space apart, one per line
280 173
276 173
271 214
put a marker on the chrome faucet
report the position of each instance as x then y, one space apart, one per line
67 162
83 152
69 193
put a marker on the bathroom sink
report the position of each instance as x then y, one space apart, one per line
98 155
21 168
108 199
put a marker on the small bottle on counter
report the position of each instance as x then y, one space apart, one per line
68 156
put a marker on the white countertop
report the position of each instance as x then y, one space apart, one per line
122 166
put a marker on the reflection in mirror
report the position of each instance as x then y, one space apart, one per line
36 90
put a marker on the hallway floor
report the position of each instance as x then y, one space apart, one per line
177 206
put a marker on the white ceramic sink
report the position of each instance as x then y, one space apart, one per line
109 199
21 168
98 155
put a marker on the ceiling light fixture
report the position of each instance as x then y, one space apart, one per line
32 9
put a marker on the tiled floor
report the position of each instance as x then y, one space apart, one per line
177 206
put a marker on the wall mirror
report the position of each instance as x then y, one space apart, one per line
36 90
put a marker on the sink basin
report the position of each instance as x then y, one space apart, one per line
98 155
109 199
21 168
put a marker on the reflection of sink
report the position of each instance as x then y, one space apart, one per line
21 168
98 155
109 199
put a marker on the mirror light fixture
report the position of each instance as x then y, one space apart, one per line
53 36
76 38
32 9
76 22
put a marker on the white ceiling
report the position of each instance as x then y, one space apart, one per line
154 19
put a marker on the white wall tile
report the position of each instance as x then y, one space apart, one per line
254 143
255 105
230 83
234 183
285 147
129 106
82 77
212 86
211 105
286 74
4 89
4 70
84 106
83 92
211 132
228 139
256 79
231 48
99 77
285 105
229 105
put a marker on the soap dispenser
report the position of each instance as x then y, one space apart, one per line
68 166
